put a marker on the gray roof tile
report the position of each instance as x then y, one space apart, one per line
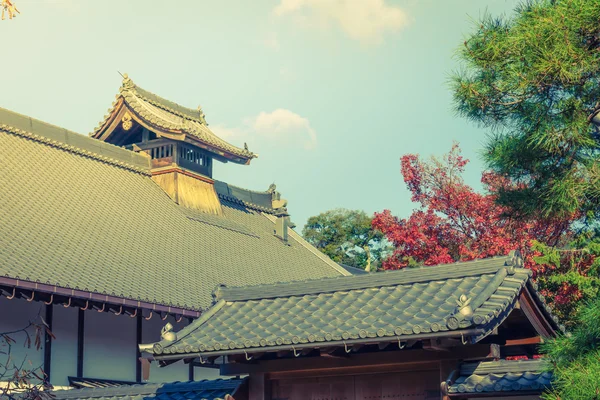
381 306
198 390
80 220
502 376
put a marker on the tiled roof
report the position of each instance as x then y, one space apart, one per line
501 376
82 383
199 390
387 306
168 115
354 270
81 214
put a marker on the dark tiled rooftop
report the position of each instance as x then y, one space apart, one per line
501 376
198 390
382 306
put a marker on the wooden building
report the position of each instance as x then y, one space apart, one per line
110 237
420 333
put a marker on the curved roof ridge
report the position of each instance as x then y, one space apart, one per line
169 115
357 282
257 200
167 105
498 366
64 139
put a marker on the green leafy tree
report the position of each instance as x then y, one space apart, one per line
568 276
575 358
533 78
347 237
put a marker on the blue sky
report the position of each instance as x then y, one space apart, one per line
329 93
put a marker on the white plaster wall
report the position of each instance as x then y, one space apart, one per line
207 373
109 346
64 347
14 315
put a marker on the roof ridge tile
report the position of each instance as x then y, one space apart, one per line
63 145
354 282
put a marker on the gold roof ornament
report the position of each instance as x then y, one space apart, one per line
8 7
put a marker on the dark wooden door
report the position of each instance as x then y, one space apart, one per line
421 385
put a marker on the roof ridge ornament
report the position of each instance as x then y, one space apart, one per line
127 82
167 333
202 116
464 306
515 260
217 293
276 201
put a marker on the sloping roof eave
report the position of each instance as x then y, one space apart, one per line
334 318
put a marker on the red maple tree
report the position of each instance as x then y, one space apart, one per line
453 222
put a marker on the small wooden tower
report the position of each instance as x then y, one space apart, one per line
177 140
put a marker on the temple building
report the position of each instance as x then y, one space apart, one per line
160 281
110 237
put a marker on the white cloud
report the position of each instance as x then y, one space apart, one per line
364 20
281 126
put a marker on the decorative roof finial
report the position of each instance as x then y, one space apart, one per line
202 116
464 306
8 7
127 82
515 260
167 333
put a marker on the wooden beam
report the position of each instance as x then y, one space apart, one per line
535 315
434 345
383 345
526 341
356 347
48 342
80 338
471 352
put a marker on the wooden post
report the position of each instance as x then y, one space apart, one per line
80 332
257 387
48 342
191 364
145 135
138 340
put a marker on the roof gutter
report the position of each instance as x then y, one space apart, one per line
101 298
448 334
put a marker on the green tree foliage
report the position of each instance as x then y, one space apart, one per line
534 79
569 276
347 237
576 358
